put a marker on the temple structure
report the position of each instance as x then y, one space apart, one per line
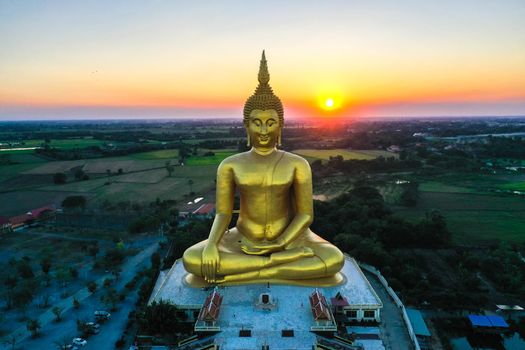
269 282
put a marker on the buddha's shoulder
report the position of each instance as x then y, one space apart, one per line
296 159
245 157
233 160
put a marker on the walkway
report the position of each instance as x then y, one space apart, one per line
393 330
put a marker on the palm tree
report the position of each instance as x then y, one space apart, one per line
34 327
12 340
63 343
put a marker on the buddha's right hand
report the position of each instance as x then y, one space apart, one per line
210 262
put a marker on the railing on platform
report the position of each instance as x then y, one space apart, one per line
396 299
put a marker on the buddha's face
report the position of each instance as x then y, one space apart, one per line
263 128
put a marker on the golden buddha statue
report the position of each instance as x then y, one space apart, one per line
272 241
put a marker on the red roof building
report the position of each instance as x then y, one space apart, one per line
339 301
5 225
211 308
320 309
205 209
34 214
37 213
20 220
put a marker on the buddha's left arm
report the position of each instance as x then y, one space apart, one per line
304 213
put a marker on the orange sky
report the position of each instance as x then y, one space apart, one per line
447 58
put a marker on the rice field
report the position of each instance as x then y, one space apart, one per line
473 217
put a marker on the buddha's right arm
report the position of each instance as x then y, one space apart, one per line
220 225
224 208
223 202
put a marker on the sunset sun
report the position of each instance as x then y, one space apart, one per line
330 101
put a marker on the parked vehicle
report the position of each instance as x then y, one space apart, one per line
79 341
102 315
92 328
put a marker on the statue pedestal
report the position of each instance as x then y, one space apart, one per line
292 310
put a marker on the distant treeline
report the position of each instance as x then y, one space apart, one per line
355 166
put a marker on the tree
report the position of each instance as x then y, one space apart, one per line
82 326
155 260
63 343
24 293
114 257
409 194
45 301
169 168
24 268
10 282
73 272
110 298
11 340
92 286
59 178
79 174
63 276
93 249
74 202
57 311
34 327
45 264
161 316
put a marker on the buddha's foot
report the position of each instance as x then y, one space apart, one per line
246 276
290 255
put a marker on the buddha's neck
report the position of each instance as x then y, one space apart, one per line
264 151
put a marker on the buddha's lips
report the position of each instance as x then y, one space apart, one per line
264 138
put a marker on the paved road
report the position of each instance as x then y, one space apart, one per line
52 331
393 330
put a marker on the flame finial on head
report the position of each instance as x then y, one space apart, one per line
263 97
264 76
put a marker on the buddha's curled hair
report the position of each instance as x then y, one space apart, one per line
263 97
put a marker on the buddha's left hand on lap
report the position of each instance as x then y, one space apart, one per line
263 248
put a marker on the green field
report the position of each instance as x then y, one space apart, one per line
473 218
161 154
144 178
434 186
209 160
354 154
515 186
66 143
24 157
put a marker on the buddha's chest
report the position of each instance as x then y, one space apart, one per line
264 176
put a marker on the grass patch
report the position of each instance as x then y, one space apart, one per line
209 160
161 154
150 176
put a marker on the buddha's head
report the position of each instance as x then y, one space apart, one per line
263 113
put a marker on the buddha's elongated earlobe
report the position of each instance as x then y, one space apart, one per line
248 143
279 139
